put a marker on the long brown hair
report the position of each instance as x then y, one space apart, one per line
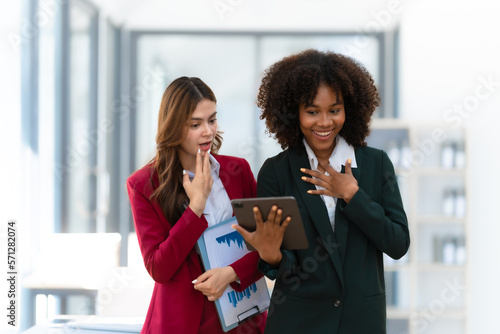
177 104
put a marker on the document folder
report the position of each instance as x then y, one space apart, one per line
219 246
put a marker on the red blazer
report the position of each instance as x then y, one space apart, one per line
171 259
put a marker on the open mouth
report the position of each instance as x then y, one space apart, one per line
206 146
323 134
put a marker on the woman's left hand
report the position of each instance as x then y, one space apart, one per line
336 184
213 282
268 235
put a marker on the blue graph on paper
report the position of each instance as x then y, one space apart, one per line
231 237
221 246
235 296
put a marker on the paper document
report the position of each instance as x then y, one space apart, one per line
220 245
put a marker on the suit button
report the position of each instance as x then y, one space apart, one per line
337 303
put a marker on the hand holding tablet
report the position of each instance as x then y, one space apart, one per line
294 235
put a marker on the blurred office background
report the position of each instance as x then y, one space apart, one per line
81 85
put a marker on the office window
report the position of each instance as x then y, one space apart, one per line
274 48
226 64
232 65
81 148
46 141
109 125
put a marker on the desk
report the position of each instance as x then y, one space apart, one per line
90 325
119 293
66 285
70 264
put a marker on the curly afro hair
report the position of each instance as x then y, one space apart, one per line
294 81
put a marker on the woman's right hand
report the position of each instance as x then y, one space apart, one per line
268 236
199 188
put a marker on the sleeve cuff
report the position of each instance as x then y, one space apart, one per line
268 270
357 205
286 265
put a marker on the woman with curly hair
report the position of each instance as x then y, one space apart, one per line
186 188
318 105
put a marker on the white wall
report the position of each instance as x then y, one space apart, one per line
254 15
448 50
10 97
10 125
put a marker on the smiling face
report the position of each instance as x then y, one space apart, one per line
199 132
321 121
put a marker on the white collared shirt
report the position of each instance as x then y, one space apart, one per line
218 207
340 154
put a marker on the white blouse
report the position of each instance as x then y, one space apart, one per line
340 154
218 207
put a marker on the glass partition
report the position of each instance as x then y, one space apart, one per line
232 65
81 145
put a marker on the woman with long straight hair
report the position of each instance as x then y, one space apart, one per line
182 191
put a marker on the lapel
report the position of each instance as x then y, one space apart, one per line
341 221
226 171
316 209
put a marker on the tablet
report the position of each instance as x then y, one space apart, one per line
295 236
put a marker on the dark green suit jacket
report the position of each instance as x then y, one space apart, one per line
337 284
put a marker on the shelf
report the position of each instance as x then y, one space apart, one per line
396 267
440 267
440 171
432 171
396 313
440 219
446 314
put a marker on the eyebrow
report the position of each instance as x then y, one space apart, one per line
340 102
201 119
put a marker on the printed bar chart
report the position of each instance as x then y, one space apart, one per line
235 296
231 237
221 246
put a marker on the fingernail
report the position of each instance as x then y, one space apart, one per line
199 151
348 160
194 281
304 178
309 191
302 169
